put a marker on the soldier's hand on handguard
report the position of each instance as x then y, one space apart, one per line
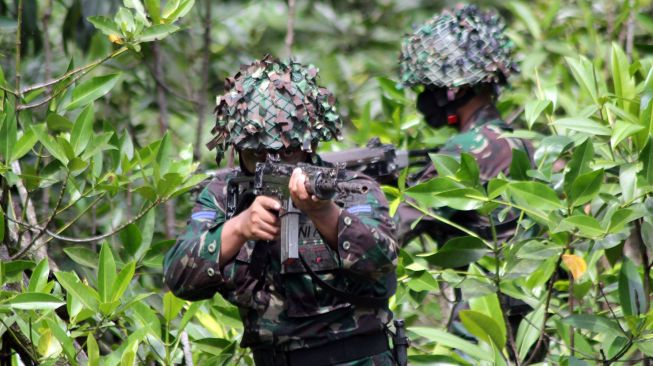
261 220
304 201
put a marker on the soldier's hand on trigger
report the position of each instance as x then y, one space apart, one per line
261 220
301 198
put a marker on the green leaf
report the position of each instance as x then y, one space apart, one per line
535 195
621 131
579 163
163 159
458 252
445 165
58 123
520 165
172 306
91 90
49 143
632 296
527 17
469 171
529 332
8 137
584 125
84 294
423 281
587 225
122 281
594 323
82 255
105 25
34 301
65 340
621 217
584 73
646 157
533 109
106 273
443 338
646 111
157 32
176 10
131 239
24 144
624 85
154 10
585 187
92 351
424 192
489 305
82 130
628 182
647 234
39 277
483 327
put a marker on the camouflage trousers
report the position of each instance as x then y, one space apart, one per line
382 359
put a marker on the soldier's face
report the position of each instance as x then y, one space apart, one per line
249 157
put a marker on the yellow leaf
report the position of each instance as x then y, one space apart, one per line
115 39
576 265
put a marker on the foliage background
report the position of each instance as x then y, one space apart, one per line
105 163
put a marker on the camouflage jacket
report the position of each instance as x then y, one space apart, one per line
288 310
493 154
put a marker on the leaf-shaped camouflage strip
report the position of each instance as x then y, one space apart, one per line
273 105
463 46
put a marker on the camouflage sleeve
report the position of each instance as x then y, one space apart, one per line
367 244
191 267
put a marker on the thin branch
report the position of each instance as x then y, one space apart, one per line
47 50
80 73
290 31
18 42
185 344
630 30
203 92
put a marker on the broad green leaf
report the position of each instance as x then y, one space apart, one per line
469 171
449 340
483 327
125 20
489 305
65 339
122 281
424 192
585 187
594 323
579 163
106 273
535 195
646 111
646 157
172 305
163 160
624 85
34 301
632 296
587 225
8 136
520 165
12 268
529 332
527 17
138 6
82 255
39 276
154 10
647 234
533 109
175 9
91 90
584 125
628 182
57 123
2 230
423 281
584 73
82 130
157 32
621 131
458 252
49 143
131 239
24 144
80 291
445 165
92 351
621 217
105 25
496 187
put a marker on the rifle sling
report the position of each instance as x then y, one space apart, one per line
364 301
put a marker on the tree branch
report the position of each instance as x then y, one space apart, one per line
203 92
290 29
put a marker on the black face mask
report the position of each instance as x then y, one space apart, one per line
436 107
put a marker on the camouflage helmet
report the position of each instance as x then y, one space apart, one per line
273 105
460 47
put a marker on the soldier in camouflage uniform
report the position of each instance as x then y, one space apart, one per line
290 318
460 58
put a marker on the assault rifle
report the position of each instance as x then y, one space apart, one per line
271 179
